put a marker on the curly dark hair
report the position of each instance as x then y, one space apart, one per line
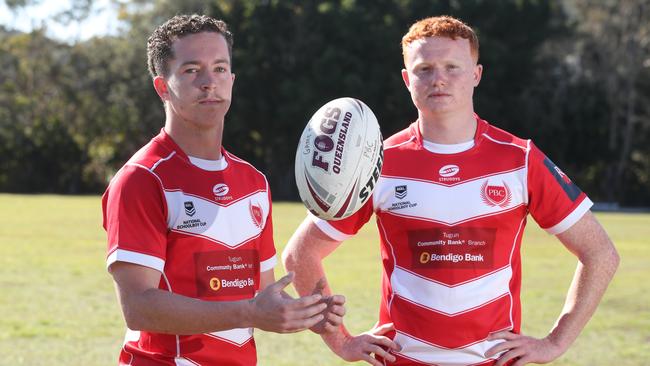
159 44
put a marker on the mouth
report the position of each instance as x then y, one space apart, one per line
439 95
210 101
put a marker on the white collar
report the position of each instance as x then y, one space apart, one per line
210 165
448 148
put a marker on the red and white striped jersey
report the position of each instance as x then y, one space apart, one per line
451 224
207 229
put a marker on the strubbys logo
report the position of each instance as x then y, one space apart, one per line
495 195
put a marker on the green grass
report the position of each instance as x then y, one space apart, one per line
58 306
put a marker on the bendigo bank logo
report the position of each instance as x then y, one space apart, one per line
495 195
215 284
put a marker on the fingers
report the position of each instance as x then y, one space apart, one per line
383 329
337 300
302 324
310 310
506 334
512 354
367 345
381 352
510 342
388 343
371 360
283 282
320 286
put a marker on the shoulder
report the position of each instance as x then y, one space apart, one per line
401 138
503 137
499 141
243 167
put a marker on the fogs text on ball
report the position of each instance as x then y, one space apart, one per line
339 159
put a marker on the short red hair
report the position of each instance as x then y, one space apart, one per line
441 26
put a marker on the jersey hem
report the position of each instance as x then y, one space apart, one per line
329 230
572 218
268 264
121 255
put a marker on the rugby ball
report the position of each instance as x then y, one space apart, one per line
339 159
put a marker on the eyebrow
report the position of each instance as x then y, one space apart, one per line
195 62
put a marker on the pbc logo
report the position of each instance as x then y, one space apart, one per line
400 192
494 195
189 208
256 214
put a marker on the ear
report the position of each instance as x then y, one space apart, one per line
160 84
233 77
478 72
405 77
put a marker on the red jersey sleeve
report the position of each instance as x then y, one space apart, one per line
135 218
343 229
268 258
554 201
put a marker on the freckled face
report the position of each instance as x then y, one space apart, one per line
441 74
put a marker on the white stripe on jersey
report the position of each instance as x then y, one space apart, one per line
237 336
450 300
225 225
128 256
180 361
268 264
428 353
573 217
448 205
328 229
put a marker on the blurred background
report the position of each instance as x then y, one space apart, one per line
76 100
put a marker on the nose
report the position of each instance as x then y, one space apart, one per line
438 78
207 81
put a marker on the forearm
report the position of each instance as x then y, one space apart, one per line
589 283
304 255
161 311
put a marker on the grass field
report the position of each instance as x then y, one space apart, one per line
57 303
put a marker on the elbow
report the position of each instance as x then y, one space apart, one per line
137 315
133 320
289 259
615 260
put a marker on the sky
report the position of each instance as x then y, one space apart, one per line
102 21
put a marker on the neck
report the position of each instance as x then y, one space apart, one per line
448 129
198 141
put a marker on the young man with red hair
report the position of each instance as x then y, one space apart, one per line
451 205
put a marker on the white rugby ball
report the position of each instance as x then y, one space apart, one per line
339 159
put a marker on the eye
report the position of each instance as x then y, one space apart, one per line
452 67
220 69
191 70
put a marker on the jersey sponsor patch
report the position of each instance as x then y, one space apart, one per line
226 273
496 194
572 190
458 247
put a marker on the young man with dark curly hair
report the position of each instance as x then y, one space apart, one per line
190 236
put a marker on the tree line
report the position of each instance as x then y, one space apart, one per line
573 75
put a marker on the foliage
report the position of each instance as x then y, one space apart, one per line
77 112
